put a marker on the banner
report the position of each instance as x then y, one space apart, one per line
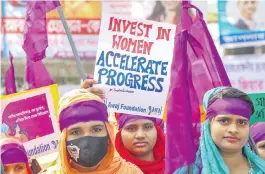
259 105
133 63
241 22
30 117
83 18
163 11
246 72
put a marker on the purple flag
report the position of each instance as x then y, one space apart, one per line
37 75
35 31
10 82
196 68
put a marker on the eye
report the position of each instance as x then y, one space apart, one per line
149 126
130 129
262 146
19 167
223 120
243 122
75 132
96 129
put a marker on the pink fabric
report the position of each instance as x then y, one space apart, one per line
10 82
35 31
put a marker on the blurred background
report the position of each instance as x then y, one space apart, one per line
237 28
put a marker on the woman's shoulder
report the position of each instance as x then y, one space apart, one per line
127 167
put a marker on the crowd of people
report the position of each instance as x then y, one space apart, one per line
88 144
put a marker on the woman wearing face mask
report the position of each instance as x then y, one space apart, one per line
223 144
86 142
14 157
142 142
258 134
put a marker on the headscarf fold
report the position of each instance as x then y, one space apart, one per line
12 151
258 131
148 167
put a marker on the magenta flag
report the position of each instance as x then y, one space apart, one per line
35 31
196 68
37 75
10 82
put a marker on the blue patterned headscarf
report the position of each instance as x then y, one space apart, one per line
209 159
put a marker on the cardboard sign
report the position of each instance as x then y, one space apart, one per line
30 117
133 63
259 104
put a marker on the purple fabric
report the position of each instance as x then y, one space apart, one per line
35 31
258 131
83 112
126 118
196 68
36 74
13 153
10 82
229 106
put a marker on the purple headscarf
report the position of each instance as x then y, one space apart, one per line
90 110
258 131
233 106
123 119
13 152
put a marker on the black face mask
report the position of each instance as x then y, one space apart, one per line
87 151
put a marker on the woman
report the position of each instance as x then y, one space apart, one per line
21 135
86 142
223 144
142 142
14 157
258 134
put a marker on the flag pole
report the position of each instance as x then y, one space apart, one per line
71 41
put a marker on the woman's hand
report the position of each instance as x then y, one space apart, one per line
95 90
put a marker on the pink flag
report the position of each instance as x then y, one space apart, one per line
35 31
37 75
196 68
10 82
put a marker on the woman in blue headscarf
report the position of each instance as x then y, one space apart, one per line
223 145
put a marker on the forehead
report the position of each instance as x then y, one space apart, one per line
84 125
139 122
14 165
232 117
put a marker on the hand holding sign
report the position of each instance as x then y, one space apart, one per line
94 89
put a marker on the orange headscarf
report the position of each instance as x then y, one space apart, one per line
109 165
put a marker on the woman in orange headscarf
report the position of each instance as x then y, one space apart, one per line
86 142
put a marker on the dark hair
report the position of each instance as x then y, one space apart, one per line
231 92
21 131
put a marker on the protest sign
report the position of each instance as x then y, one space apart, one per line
133 63
259 105
241 22
246 72
30 117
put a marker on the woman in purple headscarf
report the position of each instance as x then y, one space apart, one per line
14 157
141 141
258 134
